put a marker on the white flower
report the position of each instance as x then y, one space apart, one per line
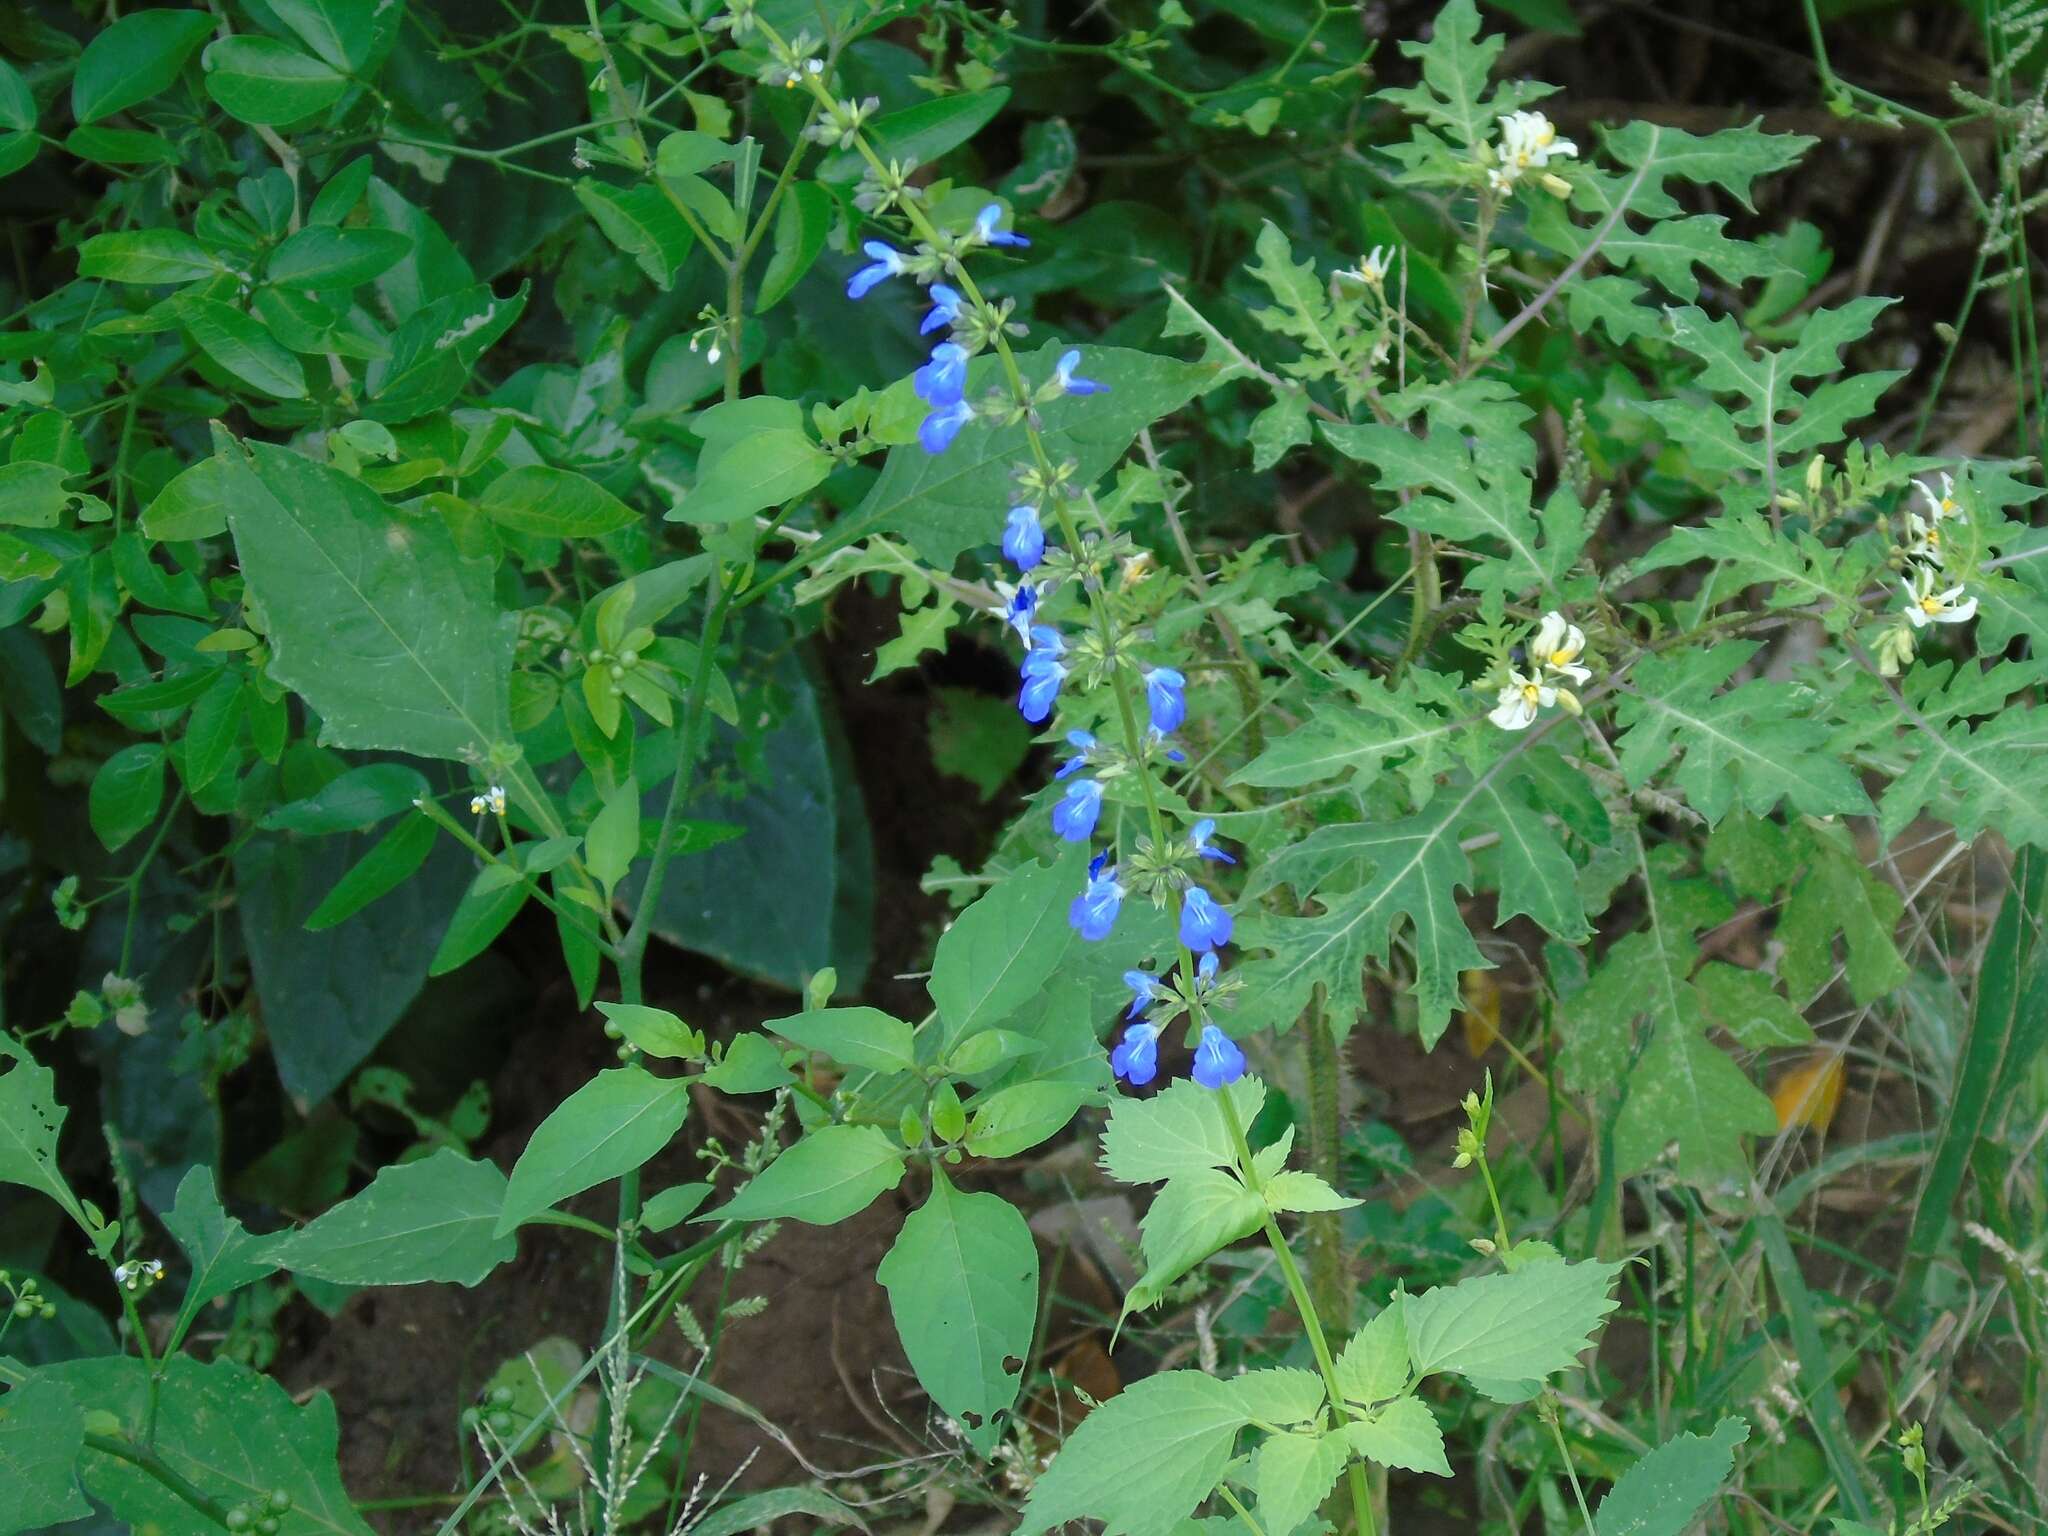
1926 606
1521 700
492 800
1373 267
1528 141
1923 539
137 1273
1558 646
1944 505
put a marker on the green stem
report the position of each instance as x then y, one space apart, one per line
152 1465
1327 1281
1550 1417
1311 1323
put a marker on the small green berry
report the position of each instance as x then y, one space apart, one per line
280 1500
267 1526
238 1519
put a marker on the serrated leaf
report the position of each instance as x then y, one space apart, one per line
1293 1473
1187 1423
1374 1364
1404 1434
1199 1212
1517 1326
1293 1190
1685 1092
1181 1130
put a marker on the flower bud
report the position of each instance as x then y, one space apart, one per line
1815 473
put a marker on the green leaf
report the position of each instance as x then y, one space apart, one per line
643 223
17 102
1512 1327
221 1427
326 256
1293 1190
193 505
1684 1090
1403 1433
434 353
352 801
609 1126
801 225
240 344
919 134
126 793
1198 1213
1280 1394
1020 1116
30 1120
764 470
1664 1492
223 1254
613 841
378 623
147 256
1357 738
1837 894
329 997
1187 1424
1002 949
941 502
1181 1130
42 1435
1374 1364
393 860
962 1279
656 1031
554 503
213 729
854 1037
265 81
437 1219
834 1172
1294 1473
1746 1005
487 908
135 58
751 1511
350 37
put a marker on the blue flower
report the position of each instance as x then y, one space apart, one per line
1218 1061
1083 743
1023 537
1203 924
938 430
943 380
1079 809
1199 837
1094 910
1018 608
1042 672
1063 375
1166 696
1205 971
945 309
1136 1061
985 226
1144 987
884 262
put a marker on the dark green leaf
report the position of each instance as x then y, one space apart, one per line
126 793
138 57
262 80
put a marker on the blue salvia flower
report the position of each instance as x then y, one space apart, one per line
1205 970
1144 987
1023 537
1166 696
1203 924
1018 608
1136 1061
1083 743
1218 1061
1094 910
1070 383
884 262
1199 837
943 380
1042 673
938 430
985 226
945 309
1075 815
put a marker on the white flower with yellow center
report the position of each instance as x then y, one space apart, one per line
1373 267
1943 507
1923 539
492 800
1528 142
1925 606
1558 646
1522 699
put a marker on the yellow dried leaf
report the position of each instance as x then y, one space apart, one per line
1809 1093
1482 1011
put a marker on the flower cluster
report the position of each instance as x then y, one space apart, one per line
1928 599
1159 868
1528 143
1533 683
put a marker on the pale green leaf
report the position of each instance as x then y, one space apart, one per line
432 1220
1187 1423
834 1172
609 1126
1664 1492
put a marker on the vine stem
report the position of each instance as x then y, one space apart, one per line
152 1465
1290 1272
